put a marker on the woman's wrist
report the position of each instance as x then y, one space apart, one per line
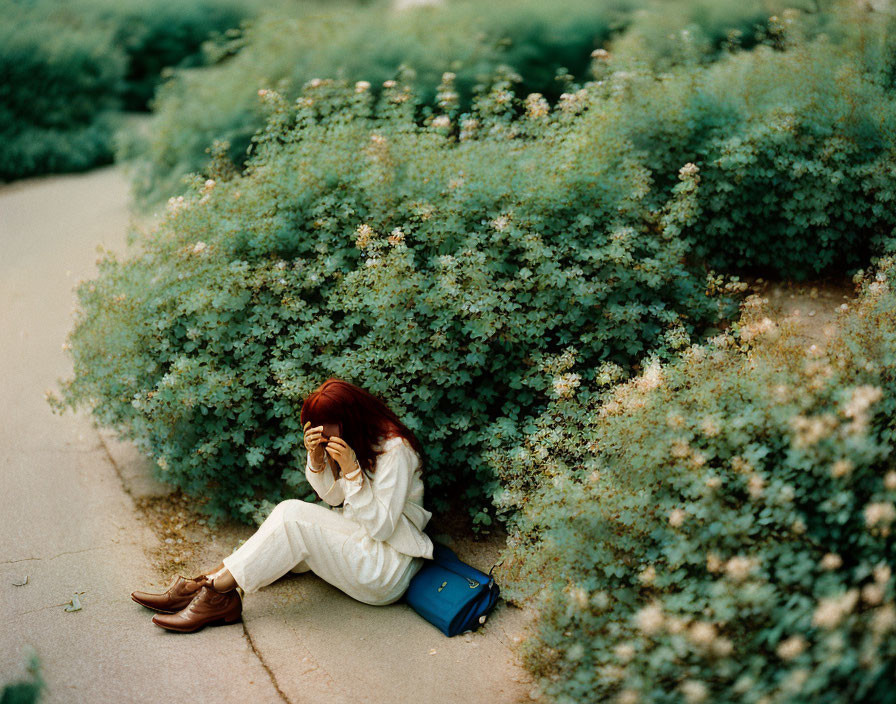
311 466
353 473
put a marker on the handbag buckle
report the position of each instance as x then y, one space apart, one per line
472 582
444 584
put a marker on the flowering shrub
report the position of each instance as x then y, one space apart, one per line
720 527
455 268
777 141
792 163
662 35
548 47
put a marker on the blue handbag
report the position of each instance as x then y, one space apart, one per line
450 594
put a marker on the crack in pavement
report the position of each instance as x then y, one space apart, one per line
139 514
41 608
267 669
70 552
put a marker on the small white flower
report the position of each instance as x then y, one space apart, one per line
578 597
566 384
739 567
175 205
198 247
880 512
873 593
628 696
362 86
676 517
831 561
841 468
676 625
396 237
441 122
625 652
830 611
572 102
647 575
688 170
500 223
536 105
694 691
722 647
651 377
576 652
862 397
884 619
650 619
792 647
502 97
702 633
710 427
389 84
714 562
364 232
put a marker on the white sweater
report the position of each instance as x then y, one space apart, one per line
390 505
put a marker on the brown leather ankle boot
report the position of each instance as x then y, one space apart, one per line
179 595
208 608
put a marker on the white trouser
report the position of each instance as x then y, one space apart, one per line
299 536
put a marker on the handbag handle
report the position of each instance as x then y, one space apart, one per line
491 580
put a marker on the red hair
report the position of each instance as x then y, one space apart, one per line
365 420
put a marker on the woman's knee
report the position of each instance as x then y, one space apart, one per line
297 510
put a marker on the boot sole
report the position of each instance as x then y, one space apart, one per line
154 608
223 621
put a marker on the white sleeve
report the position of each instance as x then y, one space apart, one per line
324 483
378 504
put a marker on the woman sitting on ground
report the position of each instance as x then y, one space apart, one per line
361 459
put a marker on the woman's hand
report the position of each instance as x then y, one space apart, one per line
345 456
314 443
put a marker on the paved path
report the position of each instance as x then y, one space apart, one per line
69 525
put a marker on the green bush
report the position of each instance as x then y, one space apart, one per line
662 35
538 40
719 528
70 68
57 99
446 267
805 155
164 34
795 147
26 691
